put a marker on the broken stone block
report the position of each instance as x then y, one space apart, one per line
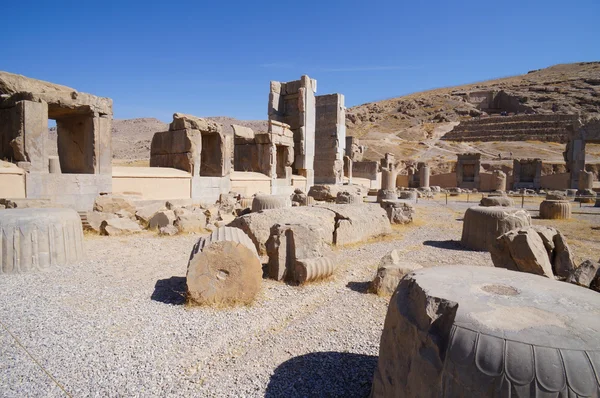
385 194
162 219
224 269
169 230
39 239
345 197
113 204
258 225
398 211
268 202
312 269
357 223
125 214
24 203
144 214
328 193
190 221
555 210
522 250
119 226
586 275
468 331
391 270
504 201
290 242
95 219
408 195
482 225
299 197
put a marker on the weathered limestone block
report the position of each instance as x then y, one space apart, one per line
391 270
555 210
312 269
267 202
328 193
538 250
95 219
357 223
408 195
556 195
169 230
162 219
498 180
119 226
182 121
586 275
258 225
464 331
385 194
24 203
179 149
246 203
224 268
345 197
189 221
399 211
497 201
39 239
144 214
112 204
299 197
288 243
54 165
522 250
482 225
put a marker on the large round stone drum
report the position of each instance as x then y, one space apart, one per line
555 209
464 331
38 239
482 225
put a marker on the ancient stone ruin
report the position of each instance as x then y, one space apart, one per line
467 170
83 124
330 139
527 173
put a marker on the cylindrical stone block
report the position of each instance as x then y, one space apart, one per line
348 198
498 181
555 210
224 268
424 174
408 195
388 179
384 194
38 239
468 331
586 180
266 202
246 203
54 165
311 269
482 225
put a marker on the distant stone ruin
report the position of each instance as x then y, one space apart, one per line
467 170
547 128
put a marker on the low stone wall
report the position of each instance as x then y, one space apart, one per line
152 183
447 180
249 183
555 181
12 182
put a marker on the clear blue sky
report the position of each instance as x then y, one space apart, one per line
217 58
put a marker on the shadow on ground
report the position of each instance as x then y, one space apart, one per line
361 287
445 244
323 374
170 291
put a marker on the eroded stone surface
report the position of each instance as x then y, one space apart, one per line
391 270
478 331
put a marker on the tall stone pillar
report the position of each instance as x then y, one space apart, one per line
348 168
424 173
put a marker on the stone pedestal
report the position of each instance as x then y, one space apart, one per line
465 331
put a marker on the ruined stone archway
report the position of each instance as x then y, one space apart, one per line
574 154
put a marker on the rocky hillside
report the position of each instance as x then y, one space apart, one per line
411 126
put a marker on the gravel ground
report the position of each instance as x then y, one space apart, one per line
115 324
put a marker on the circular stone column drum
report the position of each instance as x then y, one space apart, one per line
267 202
498 181
555 210
38 239
482 225
465 331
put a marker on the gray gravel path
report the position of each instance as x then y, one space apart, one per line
114 324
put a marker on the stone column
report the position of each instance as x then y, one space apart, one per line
348 168
586 180
388 179
498 181
424 177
